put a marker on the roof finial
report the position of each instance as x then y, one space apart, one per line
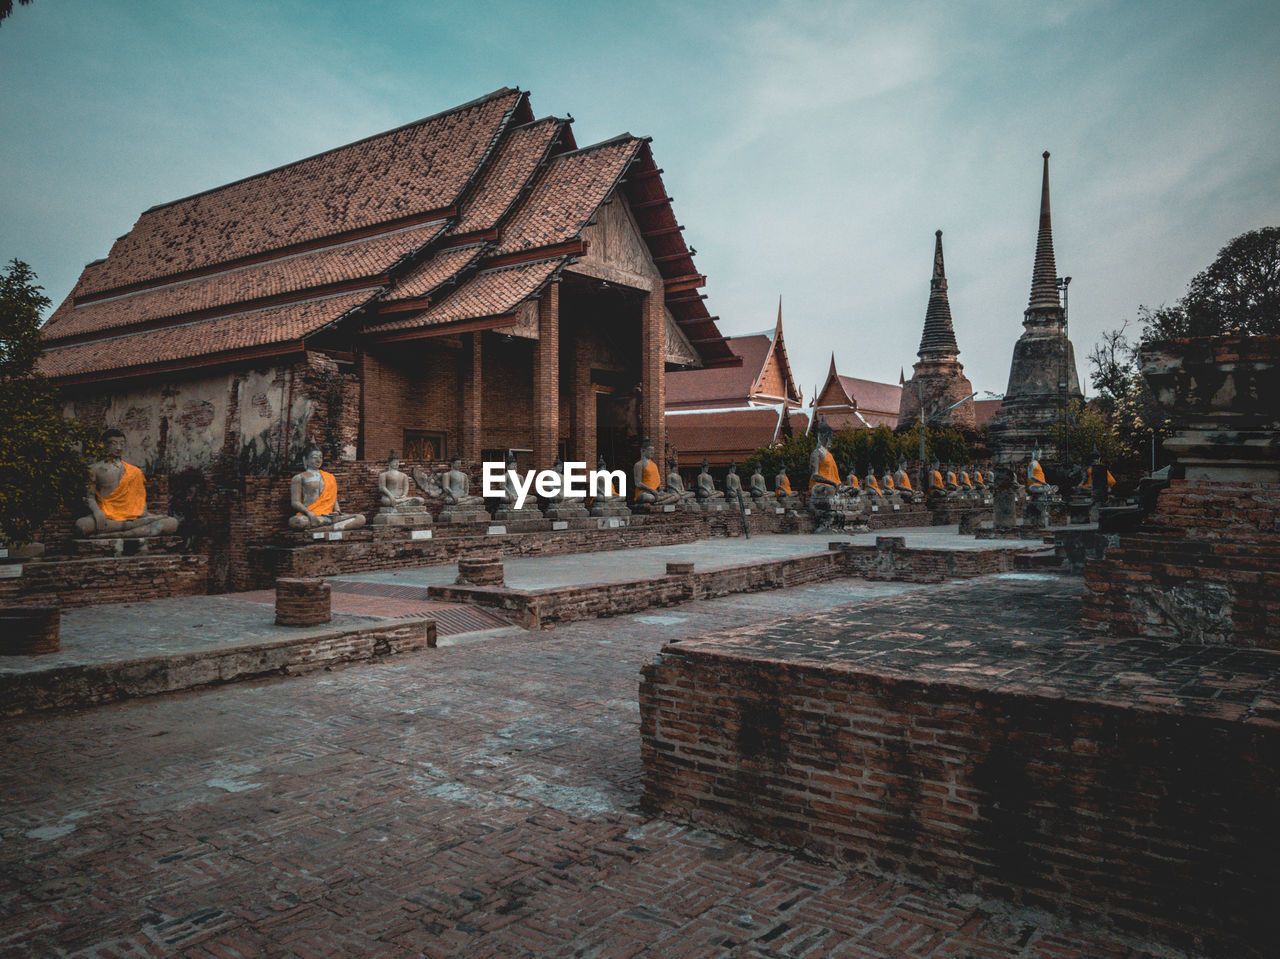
1044 276
779 312
939 336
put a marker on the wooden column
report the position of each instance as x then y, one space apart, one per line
546 380
583 439
652 374
472 402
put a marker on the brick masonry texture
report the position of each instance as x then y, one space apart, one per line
477 800
302 602
92 582
1204 568
1125 781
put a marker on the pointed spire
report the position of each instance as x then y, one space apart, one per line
779 312
939 336
1044 277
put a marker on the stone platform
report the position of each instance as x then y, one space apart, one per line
973 736
77 582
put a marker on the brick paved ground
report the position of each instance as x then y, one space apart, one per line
477 800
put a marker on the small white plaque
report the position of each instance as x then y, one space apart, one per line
336 534
668 508
614 522
560 524
780 510
420 534
317 535
4 553
10 571
896 507
497 530
875 508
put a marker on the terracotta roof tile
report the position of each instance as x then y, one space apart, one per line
515 161
441 267
486 294
873 397
205 338
734 431
349 261
694 388
566 195
417 168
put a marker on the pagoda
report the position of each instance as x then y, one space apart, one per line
937 379
1042 376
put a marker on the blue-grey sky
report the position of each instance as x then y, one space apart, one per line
812 148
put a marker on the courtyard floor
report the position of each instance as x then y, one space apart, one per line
475 800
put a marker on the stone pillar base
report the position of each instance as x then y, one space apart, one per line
302 602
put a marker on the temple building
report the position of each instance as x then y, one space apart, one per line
937 379
725 413
1042 376
474 282
848 403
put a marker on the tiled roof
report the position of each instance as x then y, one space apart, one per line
412 170
730 431
486 294
513 165
694 388
873 397
566 195
349 261
441 267
206 338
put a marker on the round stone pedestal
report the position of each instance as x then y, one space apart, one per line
302 602
30 630
480 571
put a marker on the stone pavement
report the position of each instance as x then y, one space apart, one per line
478 800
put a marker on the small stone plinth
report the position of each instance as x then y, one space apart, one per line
480 571
302 602
680 569
30 630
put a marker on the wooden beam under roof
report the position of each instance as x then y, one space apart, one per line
646 204
665 231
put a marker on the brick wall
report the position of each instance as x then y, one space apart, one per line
1158 823
1204 568
411 387
92 582
888 561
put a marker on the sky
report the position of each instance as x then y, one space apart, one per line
811 148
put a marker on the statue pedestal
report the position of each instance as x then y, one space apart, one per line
463 514
707 505
109 546
412 517
506 514
610 509
566 510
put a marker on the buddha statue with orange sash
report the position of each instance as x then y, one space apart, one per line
828 497
117 498
782 488
1036 483
902 481
852 484
1088 479
313 493
872 485
648 480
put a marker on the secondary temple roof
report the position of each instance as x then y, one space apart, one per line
849 402
459 217
763 375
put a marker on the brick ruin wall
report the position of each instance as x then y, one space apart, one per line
1157 823
1204 568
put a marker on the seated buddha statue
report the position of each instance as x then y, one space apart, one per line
872 485
782 488
759 490
457 486
902 479
394 487
733 483
1036 483
648 486
675 483
706 486
313 494
117 498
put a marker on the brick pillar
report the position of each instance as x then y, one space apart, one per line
546 380
472 397
583 440
652 374
302 602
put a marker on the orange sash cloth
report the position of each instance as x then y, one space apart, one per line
1037 476
1088 480
649 476
906 483
937 479
977 480
827 470
888 484
784 488
951 480
874 486
324 504
129 499
853 482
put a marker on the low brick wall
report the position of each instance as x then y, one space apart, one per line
302 602
1117 807
93 582
1203 568
77 686
888 560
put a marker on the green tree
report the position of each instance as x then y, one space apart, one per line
1238 293
791 454
1083 435
1124 402
43 466
6 7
